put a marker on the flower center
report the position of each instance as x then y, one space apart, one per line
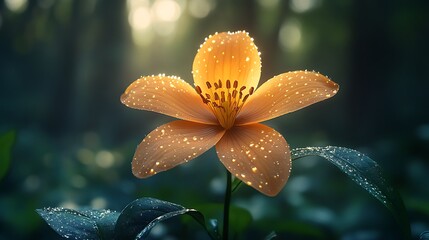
225 100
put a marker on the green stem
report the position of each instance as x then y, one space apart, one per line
226 205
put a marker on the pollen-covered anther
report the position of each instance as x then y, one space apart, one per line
225 99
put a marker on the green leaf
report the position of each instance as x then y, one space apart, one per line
365 172
6 142
141 215
80 224
271 236
236 183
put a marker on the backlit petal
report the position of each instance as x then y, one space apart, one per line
172 144
286 93
227 56
257 155
168 95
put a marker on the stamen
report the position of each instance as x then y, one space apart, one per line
251 90
228 84
245 98
223 102
235 84
208 85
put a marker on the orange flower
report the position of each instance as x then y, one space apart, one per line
224 110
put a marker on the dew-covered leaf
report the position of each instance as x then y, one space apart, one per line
271 236
213 228
141 215
6 142
365 172
424 235
80 224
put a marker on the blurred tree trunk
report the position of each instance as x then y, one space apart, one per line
372 56
60 114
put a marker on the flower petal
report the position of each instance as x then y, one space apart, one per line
172 144
286 93
227 56
258 155
168 95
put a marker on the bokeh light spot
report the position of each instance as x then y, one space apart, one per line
78 181
104 159
290 35
16 5
32 183
301 6
69 204
85 156
167 10
200 8
139 18
98 203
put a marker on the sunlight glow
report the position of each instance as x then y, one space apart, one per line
16 5
290 35
301 6
150 19
140 18
166 10
201 8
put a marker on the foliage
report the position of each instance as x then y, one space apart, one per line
140 216
6 143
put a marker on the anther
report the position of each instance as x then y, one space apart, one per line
207 96
234 93
220 83
228 84
216 96
216 86
198 89
251 90
242 88
235 84
208 85
245 98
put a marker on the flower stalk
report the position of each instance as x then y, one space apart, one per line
226 205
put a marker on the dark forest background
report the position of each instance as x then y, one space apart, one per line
64 65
